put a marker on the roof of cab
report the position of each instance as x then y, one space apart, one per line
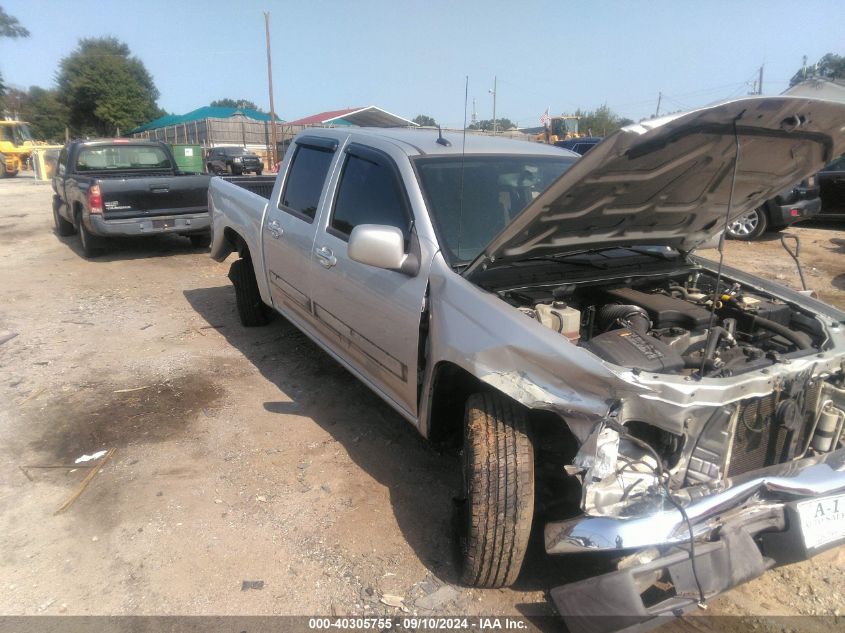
114 141
416 142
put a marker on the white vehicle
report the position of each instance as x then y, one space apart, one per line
489 286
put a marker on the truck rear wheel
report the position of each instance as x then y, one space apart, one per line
251 309
63 227
88 242
498 487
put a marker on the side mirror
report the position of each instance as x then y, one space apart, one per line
382 247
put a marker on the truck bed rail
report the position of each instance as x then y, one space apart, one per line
260 185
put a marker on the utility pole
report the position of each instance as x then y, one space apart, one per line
275 147
493 92
760 81
659 99
474 113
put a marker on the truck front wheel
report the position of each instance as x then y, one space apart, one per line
498 487
251 309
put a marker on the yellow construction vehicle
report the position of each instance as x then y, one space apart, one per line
560 128
16 145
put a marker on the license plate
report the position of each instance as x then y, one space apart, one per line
822 520
163 224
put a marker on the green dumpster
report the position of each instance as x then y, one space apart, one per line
188 158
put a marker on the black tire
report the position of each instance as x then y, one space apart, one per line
498 476
252 311
63 227
200 241
3 172
258 172
749 226
87 241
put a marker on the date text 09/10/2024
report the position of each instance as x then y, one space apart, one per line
415 623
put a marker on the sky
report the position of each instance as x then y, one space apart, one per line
413 57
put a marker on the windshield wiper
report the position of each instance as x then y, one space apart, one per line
649 250
567 259
594 258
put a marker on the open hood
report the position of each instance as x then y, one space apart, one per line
668 181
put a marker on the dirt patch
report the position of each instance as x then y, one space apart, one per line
104 416
11 232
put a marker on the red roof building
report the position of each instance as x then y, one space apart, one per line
370 116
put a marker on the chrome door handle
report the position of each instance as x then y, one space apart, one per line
326 257
275 228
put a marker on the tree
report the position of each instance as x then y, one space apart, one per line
487 125
42 110
9 27
424 120
232 103
830 67
600 122
105 88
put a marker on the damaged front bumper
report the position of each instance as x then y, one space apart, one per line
748 524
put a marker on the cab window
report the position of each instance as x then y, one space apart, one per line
369 193
306 175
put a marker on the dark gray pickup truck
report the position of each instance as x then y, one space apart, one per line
126 187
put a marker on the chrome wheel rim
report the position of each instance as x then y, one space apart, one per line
744 225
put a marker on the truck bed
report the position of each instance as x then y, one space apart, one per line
261 185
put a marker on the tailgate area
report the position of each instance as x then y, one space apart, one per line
132 198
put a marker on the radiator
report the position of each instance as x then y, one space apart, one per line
760 440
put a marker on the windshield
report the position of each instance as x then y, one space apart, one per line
237 151
495 190
563 126
15 133
122 157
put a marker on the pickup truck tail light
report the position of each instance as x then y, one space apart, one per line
95 200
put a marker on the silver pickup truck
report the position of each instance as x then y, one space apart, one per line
493 289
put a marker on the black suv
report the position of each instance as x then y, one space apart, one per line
233 160
793 205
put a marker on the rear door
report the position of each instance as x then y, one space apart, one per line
291 223
369 316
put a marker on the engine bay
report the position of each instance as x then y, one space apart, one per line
681 325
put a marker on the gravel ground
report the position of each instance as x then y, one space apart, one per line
245 455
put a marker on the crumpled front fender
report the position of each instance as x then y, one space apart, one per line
516 355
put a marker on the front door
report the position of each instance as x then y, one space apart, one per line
369 316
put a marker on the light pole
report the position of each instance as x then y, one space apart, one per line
493 92
275 149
